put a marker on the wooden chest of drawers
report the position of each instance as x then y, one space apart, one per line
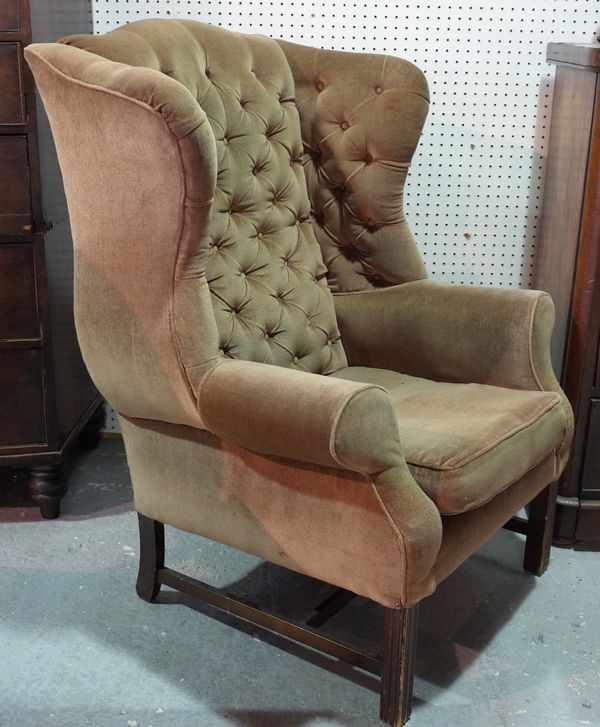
46 396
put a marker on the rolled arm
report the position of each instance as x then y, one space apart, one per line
453 333
282 412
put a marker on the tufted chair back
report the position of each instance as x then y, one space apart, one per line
264 268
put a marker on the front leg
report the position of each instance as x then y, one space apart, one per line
152 557
397 673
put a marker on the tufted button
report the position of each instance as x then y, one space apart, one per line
225 140
259 235
368 159
320 86
330 343
295 359
242 275
378 90
344 125
255 170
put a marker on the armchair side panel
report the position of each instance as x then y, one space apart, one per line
142 305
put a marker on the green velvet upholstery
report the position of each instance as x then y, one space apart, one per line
361 118
270 296
220 187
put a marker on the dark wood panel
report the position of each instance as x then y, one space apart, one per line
583 55
12 104
22 414
15 202
597 374
590 481
18 299
572 118
9 15
584 323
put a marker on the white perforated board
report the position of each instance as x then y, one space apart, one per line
474 191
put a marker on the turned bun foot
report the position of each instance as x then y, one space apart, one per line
47 487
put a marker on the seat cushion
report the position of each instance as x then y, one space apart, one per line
465 443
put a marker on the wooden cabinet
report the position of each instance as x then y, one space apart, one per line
46 396
569 268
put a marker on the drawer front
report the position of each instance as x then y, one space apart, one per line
15 200
9 15
590 481
12 103
22 397
18 298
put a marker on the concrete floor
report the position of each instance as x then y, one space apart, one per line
497 647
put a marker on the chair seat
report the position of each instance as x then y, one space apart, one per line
465 443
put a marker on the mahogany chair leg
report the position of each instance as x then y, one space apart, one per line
152 557
539 535
397 674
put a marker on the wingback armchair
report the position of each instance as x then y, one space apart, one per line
250 300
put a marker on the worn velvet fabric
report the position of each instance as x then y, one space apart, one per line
465 443
267 280
361 118
220 187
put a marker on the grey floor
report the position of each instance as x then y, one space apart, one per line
497 647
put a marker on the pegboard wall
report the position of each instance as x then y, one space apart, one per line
474 190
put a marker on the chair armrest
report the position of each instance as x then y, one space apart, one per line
453 333
298 415
282 412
